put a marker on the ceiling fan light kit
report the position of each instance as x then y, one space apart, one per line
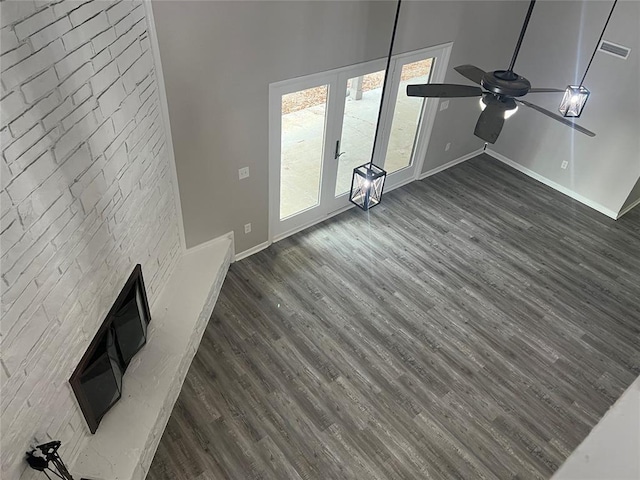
508 112
575 97
500 94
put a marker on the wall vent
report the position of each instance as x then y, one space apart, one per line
615 50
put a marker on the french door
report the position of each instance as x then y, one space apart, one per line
322 126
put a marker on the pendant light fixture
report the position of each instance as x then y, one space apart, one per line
576 96
367 183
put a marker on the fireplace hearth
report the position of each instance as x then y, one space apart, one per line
124 445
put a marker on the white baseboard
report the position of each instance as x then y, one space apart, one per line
286 234
390 188
293 231
629 208
234 256
450 164
226 236
556 186
252 250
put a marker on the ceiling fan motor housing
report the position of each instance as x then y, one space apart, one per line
505 82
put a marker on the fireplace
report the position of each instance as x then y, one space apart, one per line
97 380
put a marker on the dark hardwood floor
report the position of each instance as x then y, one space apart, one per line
476 324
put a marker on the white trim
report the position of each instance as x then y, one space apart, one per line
164 108
286 234
628 209
450 164
277 225
386 191
429 118
292 84
310 223
556 186
440 53
329 205
273 188
337 121
404 182
209 243
252 250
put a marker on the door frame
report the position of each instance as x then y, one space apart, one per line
276 90
334 203
441 53
333 128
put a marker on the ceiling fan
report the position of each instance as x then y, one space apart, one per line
499 96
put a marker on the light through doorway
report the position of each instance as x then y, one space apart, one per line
302 142
406 117
361 105
322 126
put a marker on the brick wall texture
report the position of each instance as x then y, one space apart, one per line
86 194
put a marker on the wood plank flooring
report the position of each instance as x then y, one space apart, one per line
476 324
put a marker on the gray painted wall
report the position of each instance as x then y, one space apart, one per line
633 197
220 57
556 50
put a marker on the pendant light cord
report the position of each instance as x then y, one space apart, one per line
386 79
599 40
521 37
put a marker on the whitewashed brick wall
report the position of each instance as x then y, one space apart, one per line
86 194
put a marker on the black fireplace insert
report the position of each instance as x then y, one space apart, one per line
97 380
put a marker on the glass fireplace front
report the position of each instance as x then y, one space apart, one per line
98 378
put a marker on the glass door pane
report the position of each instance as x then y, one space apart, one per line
406 117
322 126
362 101
303 115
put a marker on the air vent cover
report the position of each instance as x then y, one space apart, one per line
615 50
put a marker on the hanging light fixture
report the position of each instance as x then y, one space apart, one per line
367 183
576 96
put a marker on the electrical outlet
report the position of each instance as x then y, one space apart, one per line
447 147
247 228
564 165
243 173
444 104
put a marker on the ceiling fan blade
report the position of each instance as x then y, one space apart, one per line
473 73
545 90
490 123
443 90
560 119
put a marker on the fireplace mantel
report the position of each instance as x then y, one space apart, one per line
128 436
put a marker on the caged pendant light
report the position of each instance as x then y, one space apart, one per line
367 183
576 96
